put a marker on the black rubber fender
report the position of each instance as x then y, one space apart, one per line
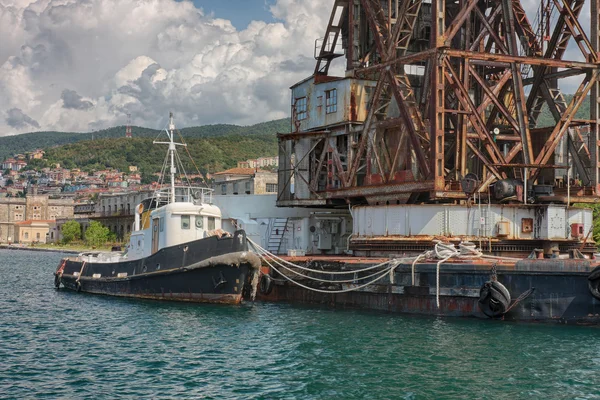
57 280
78 286
594 283
494 299
266 284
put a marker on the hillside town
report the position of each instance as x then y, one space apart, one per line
36 202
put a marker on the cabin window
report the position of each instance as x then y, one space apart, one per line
211 223
331 101
199 222
161 223
301 108
185 222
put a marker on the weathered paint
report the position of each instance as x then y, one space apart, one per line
560 289
352 98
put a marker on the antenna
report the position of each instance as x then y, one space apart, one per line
128 127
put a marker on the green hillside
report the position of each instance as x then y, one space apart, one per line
210 154
10 145
545 119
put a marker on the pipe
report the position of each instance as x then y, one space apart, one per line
568 183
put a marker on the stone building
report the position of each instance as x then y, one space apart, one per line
33 231
34 207
117 210
245 181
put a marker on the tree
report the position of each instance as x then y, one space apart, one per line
71 230
96 234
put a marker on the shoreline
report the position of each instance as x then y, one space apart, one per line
15 247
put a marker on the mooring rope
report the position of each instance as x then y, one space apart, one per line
443 252
264 255
257 246
382 274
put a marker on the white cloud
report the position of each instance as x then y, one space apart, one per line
81 65
148 57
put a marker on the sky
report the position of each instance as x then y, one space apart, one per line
83 65
239 12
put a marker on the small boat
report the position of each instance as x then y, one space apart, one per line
177 251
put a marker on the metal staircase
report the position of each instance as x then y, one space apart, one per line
278 228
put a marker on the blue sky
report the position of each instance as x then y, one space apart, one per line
239 12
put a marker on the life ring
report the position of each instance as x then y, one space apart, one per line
266 284
494 299
594 283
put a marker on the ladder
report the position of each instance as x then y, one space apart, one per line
276 235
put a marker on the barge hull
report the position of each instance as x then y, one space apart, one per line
554 290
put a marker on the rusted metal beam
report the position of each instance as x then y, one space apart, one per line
458 21
518 92
519 59
561 127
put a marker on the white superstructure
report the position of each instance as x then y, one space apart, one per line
174 215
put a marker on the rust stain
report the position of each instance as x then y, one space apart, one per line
353 106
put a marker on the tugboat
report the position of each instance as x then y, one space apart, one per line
177 251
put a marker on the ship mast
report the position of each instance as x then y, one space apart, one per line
172 151
172 144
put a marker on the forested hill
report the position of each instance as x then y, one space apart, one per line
10 145
209 154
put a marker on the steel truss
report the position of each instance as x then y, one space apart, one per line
488 74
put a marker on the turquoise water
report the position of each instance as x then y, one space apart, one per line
59 344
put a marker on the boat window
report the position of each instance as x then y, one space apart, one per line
161 222
211 223
185 222
199 222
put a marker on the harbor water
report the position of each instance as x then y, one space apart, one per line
60 344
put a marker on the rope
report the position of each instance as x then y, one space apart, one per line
257 246
393 267
81 271
192 159
383 274
413 267
522 297
443 252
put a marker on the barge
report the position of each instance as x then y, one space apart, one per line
461 199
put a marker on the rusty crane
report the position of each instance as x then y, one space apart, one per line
437 93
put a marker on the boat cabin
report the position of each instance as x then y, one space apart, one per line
158 226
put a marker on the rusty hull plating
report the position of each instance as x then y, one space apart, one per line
560 288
